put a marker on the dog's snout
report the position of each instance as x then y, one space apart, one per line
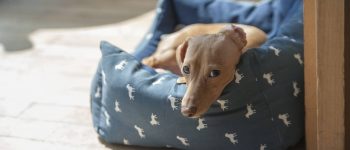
188 111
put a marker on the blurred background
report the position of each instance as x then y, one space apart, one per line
20 18
49 50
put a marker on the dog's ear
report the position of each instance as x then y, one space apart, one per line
181 53
236 34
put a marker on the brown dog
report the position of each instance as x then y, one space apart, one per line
206 55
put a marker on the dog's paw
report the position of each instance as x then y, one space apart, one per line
181 80
149 61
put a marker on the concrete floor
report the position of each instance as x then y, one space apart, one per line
18 18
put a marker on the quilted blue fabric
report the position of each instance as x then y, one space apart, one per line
267 15
261 109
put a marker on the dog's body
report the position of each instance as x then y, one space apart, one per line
206 55
165 54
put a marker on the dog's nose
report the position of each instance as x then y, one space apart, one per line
188 111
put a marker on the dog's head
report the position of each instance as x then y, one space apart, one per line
208 63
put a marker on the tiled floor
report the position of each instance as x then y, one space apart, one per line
44 90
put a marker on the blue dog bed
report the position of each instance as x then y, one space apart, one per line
261 109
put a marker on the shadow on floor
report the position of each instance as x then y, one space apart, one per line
19 18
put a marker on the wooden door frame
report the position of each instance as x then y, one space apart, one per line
327 91
347 73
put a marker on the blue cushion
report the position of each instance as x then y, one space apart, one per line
267 15
263 107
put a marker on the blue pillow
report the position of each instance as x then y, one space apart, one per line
262 108
267 15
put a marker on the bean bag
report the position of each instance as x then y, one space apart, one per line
261 109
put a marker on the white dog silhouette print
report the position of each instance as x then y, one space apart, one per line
238 76
98 92
296 89
104 77
223 104
232 137
291 39
298 57
107 118
117 108
121 65
125 141
268 77
184 141
173 101
159 81
140 131
201 124
130 91
250 111
154 120
284 118
263 146
275 50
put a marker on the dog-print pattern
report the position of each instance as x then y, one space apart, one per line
296 89
238 77
140 131
262 108
284 118
263 146
117 108
103 77
250 111
125 141
183 140
298 57
232 137
268 77
173 102
131 90
291 39
108 119
121 65
223 105
98 92
154 120
201 124
275 50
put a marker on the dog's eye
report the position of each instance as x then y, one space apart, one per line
186 70
214 73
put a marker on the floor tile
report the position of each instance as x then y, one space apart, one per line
58 113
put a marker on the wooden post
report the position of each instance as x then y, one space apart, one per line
347 74
324 74
310 67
